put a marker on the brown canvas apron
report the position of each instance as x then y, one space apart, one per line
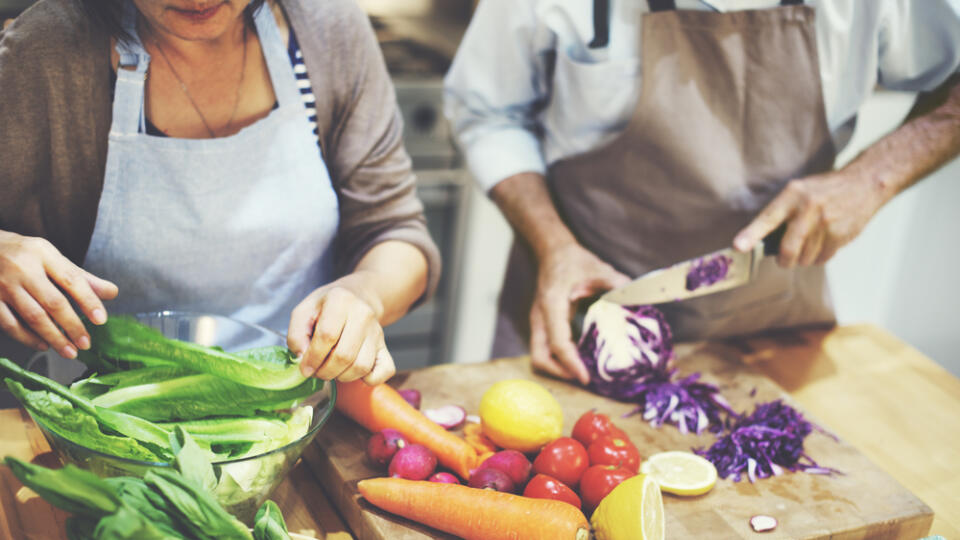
730 110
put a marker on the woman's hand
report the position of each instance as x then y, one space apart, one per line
37 284
823 212
564 276
336 331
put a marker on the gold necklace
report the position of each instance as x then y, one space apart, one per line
186 92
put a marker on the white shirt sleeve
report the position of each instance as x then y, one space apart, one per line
919 43
495 89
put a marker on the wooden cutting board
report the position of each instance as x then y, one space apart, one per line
864 502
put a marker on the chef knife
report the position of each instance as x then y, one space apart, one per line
714 272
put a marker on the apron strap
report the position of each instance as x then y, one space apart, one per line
601 24
128 115
278 60
666 5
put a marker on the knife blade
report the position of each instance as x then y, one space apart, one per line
720 270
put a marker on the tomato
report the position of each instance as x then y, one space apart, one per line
616 451
597 481
543 486
591 426
564 459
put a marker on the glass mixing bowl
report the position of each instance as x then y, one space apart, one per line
243 484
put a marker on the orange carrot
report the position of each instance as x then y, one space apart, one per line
480 443
381 406
476 514
472 428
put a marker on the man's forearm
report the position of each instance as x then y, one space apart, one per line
918 147
525 201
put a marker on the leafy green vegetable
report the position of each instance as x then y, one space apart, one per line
96 385
232 431
59 416
198 396
269 524
124 338
131 426
195 509
72 489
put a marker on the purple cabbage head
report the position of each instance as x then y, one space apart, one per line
624 346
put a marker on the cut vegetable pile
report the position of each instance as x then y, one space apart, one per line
147 385
763 444
172 503
629 354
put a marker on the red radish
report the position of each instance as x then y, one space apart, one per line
448 416
513 463
384 444
413 462
411 396
444 478
492 479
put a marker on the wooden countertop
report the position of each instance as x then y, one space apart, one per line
899 408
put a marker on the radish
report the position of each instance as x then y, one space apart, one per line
513 463
383 445
411 396
444 478
494 479
413 462
448 416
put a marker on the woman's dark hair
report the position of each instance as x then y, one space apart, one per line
107 13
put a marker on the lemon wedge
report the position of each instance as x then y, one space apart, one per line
681 473
632 511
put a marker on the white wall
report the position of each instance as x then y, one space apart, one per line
901 273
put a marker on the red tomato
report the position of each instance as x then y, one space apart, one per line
598 481
564 459
591 426
542 486
616 451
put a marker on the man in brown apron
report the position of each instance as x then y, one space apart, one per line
729 112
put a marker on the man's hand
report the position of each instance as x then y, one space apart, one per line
564 276
37 284
822 212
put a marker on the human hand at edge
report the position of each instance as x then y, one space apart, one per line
337 333
823 212
37 284
565 276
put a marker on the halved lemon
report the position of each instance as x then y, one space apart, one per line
634 506
681 473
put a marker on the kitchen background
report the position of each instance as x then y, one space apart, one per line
900 274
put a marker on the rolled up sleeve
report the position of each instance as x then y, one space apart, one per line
919 44
495 89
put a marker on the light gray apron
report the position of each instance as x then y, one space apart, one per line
239 226
730 110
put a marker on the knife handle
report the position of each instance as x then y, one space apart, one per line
771 242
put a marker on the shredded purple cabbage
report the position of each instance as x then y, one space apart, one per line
648 377
708 271
764 444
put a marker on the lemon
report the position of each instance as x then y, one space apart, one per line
632 511
522 415
681 473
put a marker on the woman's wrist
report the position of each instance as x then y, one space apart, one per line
363 284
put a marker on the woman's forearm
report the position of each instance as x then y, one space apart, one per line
394 274
918 147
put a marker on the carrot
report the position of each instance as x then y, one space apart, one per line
381 406
480 443
476 514
472 428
